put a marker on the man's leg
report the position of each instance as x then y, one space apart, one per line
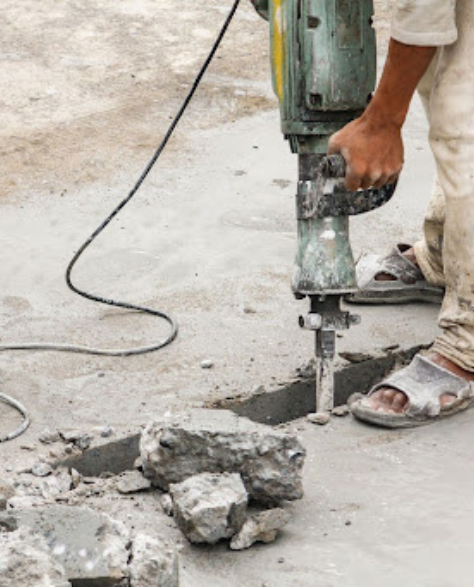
447 254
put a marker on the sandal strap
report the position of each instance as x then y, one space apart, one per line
398 266
424 382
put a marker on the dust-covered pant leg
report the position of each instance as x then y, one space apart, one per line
448 247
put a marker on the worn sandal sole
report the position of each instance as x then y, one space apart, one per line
386 420
407 295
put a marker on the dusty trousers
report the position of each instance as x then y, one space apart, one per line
446 254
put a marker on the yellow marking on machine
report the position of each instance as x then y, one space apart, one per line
278 56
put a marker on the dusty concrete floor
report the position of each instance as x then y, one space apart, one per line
86 93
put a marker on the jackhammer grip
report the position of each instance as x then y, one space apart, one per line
342 202
333 166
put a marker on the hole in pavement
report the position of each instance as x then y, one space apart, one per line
288 402
297 398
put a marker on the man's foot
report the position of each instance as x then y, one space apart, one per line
390 400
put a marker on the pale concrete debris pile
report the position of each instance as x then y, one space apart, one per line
213 463
269 461
81 546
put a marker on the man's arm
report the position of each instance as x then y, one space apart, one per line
372 145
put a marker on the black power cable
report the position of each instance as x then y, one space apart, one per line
100 299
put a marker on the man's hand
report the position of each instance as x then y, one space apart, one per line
372 145
373 152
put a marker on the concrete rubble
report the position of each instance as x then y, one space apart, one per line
154 563
209 507
180 446
7 491
53 545
25 561
88 545
132 482
262 527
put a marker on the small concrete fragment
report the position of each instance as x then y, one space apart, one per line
49 437
90 546
262 527
132 482
210 507
7 491
341 411
41 469
269 461
320 418
167 504
154 563
25 561
207 364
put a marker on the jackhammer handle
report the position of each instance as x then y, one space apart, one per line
343 202
333 166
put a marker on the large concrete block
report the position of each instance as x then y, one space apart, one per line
154 563
25 561
179 446
210 506
90 546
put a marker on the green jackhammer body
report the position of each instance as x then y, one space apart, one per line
323 55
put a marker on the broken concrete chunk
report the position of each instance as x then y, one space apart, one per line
49 437
25 561
167 504
270 462
7 491
132 482
41 469
89 546
262 527
210 506
154 563
320 418
341 411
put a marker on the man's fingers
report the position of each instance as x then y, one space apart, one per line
383 180
353 179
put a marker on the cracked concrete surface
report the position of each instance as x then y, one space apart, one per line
86 92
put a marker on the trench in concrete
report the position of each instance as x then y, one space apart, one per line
288 402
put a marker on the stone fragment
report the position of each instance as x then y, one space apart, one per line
269 461
107 432
167 504
209 507
154 563
79 439
262 527
56 485
49 437
341 411
132 482
90 546
207 364
7 491
25 561
41 469
320 418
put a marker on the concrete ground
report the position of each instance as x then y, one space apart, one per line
86 93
